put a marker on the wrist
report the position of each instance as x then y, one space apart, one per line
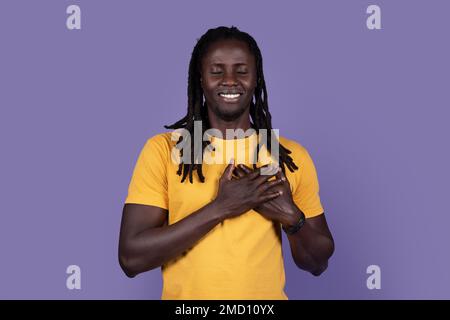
294 223
219 211
291 216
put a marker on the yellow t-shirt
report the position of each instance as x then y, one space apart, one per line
240 258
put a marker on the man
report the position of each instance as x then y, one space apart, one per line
215 229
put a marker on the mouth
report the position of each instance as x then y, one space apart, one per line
230 96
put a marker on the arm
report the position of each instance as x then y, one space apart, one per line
312 245
147 242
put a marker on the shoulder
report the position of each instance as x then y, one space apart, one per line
163 138
160 143
298 151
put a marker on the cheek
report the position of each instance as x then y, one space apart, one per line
250 83
207 88
250 86
208 91
209 82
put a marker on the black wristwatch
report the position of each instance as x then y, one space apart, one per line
294 228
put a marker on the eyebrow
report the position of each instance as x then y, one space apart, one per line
234 64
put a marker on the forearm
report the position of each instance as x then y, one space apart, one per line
311 249
153 247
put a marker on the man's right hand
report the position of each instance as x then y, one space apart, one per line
236 196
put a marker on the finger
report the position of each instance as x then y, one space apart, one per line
270 196
239 172
271 184
264 177
279 173
244 168
282 176
255 174
228 173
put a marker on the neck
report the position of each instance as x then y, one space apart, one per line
242 122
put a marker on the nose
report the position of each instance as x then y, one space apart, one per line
229 79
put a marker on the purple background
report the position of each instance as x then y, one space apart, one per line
372 107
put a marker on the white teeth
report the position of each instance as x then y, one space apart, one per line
230 96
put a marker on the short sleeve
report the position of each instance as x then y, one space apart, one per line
306 191
148 183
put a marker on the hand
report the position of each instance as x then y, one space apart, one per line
236 196
281 209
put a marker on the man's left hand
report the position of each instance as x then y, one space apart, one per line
281 209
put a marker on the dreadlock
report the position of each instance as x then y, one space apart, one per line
197 109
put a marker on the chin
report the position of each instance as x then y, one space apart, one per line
230 115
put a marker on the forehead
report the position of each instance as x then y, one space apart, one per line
228 51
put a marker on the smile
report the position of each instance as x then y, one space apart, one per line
230 97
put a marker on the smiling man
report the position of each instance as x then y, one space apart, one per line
215 229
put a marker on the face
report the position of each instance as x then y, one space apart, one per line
228 78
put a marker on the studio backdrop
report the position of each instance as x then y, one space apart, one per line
363 85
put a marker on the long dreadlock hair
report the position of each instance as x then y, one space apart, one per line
197 109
